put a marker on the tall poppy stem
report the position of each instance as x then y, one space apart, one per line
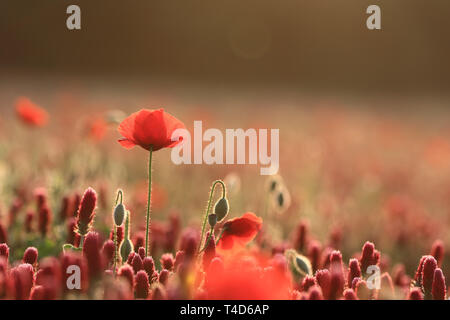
211 193
148 199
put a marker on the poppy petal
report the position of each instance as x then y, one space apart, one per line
124 142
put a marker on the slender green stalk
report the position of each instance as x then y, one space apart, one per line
116 245
148 199
115 250
211 232
220 235
211 193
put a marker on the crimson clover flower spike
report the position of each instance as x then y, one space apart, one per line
415 294
141 285
354 271
437 251
30 255
92 252
86 211
429 265
438 287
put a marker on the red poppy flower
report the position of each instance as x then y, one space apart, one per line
30 113
239 231
149 128
97 129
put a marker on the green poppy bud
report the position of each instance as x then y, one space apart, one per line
119 214
221 209
212 219
299 265
125 249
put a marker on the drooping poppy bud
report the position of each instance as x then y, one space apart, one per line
221 209
119 214
86 211
354 271
30 256
167 261
415 294
141 285
437 251
429 265
438 287
212 220
126 248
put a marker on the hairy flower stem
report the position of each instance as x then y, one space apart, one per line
116 245
211 193
220 235
148 199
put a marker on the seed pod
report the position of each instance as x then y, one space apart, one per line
221 209
125 248
119 214
212 219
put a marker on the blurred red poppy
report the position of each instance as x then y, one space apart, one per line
97 129
239 231
30 113
149 128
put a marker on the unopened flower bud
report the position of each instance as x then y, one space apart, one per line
119 214
125 248
221 209
212 220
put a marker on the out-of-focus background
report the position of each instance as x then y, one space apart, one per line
303 44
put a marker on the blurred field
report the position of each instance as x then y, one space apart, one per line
360 169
